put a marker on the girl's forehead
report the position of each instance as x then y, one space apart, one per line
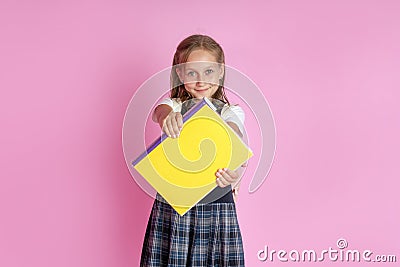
201 55
201 65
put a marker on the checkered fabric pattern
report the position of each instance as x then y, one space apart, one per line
207 235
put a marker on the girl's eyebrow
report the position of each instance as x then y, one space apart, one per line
208 67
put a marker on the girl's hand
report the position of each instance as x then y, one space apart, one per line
172 124
226 177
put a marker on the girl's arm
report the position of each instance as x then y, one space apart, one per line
236 185
170 122
235 128
160 113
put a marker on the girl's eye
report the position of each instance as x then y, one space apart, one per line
209 71
191 73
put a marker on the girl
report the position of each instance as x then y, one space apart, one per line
208 234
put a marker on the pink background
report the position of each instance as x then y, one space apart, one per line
68 69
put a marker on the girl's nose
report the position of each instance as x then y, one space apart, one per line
200 84
201 79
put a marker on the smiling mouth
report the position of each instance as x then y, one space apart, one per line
201 90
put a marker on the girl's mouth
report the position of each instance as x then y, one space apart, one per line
203 89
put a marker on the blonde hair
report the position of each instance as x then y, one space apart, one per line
187 46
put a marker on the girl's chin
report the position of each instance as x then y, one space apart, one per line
201 96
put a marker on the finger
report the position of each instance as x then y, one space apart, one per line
166 131
175 129
168 125
226 176
220 183
231 173
223 179
165 128
179 120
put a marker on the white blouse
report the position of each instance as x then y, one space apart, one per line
232 113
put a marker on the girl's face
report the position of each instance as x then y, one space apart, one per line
201 73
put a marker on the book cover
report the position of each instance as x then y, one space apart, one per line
182 170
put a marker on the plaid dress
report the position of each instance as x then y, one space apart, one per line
207 235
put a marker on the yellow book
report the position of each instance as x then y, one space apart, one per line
182 170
